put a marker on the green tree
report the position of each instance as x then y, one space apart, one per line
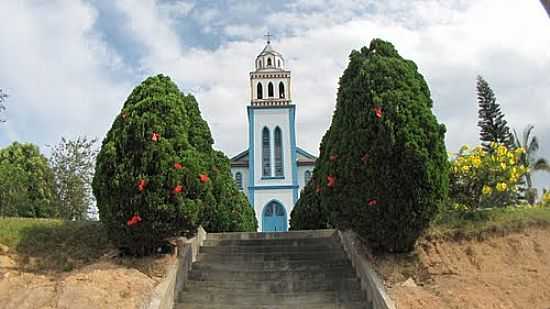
529 159
157 175
73 163
383 167
3 97
27 183
494 127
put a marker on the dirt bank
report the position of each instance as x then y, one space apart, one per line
107 283
511 271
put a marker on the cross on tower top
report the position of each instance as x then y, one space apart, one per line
268 36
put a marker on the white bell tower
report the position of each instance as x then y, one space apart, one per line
272 164
270 82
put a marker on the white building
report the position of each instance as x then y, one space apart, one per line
273 170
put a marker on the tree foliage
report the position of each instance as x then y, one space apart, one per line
157 175
481 179
529 142
27 183
494 128
383 166
73 163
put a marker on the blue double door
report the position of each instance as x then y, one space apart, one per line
274 218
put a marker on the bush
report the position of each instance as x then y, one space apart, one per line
492 178
27 187
157 175
383 166
308 214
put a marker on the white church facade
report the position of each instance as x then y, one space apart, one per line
273 170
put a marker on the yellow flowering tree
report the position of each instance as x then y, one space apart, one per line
545 200
480 178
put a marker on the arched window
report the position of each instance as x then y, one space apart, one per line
307 176
279 63
268 61
260 91
281 90
278 152
270 90
266 153
239 180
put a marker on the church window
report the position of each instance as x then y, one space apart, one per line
266 153
270 90
279 210
239 180
260 63
278 152
279 63
307 176
281 90
269 210
268 61
260 91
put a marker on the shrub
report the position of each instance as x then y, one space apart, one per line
383 166
27 183
308 214
492 178
156 174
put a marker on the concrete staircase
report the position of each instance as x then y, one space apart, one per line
291 270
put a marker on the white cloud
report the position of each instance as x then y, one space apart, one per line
451 41
57 72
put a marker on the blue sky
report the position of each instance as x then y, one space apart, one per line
69 65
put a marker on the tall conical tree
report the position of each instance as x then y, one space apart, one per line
156 173
383 167
494 127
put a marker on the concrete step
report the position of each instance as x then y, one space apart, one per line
332 273
351 305
267 242
318 256
277 265
315 234
248 249
326 297
274 286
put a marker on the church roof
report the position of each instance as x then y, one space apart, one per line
269 50
303 158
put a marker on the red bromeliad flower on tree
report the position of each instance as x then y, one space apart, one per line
203 178
155 137
378 111
141 185
365 158
178 165
372 202
177 189
331 181
134 220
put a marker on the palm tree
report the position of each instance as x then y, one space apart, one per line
530 143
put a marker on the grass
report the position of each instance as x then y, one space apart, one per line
482 223
53 245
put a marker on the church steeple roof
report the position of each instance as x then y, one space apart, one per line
268 49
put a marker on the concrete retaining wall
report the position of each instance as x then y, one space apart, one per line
164 294
370 283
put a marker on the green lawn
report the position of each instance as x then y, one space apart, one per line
490 221
53 245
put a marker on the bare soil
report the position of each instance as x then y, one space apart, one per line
106 283
500 271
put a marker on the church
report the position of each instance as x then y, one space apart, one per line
273 170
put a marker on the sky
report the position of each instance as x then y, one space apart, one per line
68 66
